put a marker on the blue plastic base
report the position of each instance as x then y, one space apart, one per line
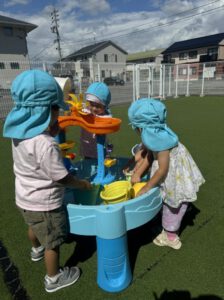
114 273
110 223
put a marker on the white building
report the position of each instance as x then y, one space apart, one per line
99 60
13 49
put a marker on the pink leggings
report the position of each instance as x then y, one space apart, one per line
172 217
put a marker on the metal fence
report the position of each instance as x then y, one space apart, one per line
141 80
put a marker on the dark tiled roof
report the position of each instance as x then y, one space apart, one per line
10 21
94 48
204 41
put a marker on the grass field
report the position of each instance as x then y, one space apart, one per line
194 272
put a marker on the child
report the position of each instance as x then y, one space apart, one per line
173 168
39 170
98 96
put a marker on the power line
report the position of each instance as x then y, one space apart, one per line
149 23
35 57
113 35
172 22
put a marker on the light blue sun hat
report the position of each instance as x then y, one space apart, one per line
98 91
33 93
149 115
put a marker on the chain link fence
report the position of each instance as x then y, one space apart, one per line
140 80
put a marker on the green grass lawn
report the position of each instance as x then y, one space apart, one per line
158 273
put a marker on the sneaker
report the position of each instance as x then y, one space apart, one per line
162 240
37 253
66 277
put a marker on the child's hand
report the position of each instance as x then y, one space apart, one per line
125 171
84 184
142 191
135 178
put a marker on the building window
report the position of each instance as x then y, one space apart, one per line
2 65
8 31
14 65
193 54
193 71
103 73
106 57
183 55
167 58
212 51
115 57
182 71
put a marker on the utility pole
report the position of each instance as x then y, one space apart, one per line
54 29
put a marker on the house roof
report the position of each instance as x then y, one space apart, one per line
13 22
204 41
145 54
94 48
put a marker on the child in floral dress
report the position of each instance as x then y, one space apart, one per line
173 168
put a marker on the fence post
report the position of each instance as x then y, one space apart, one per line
150 81
169 87
91 70
44 67
137 82
188 81
160 80
98 69
163 85
203 81
133 82
176 92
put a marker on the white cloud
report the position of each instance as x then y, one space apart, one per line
90 7
15 2
171 7
132 31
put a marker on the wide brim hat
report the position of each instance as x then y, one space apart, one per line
33 93
100 92
149 115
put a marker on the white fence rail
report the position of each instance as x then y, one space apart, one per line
141 80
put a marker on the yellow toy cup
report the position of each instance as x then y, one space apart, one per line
116 192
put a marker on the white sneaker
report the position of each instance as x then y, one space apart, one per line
66 277
37 253
162 240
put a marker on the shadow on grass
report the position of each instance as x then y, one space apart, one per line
85 247
189 217
11 276
183 295
144 235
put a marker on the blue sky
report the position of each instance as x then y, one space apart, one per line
135 25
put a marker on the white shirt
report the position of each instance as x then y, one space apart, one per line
38 165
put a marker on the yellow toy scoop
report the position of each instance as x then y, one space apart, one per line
67 145
109 162
137 187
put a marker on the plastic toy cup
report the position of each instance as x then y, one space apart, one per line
116 192
87 197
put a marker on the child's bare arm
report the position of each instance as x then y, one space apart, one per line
140 167
160 174
143 164
71 181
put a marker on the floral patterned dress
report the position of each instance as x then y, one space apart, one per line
183 179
